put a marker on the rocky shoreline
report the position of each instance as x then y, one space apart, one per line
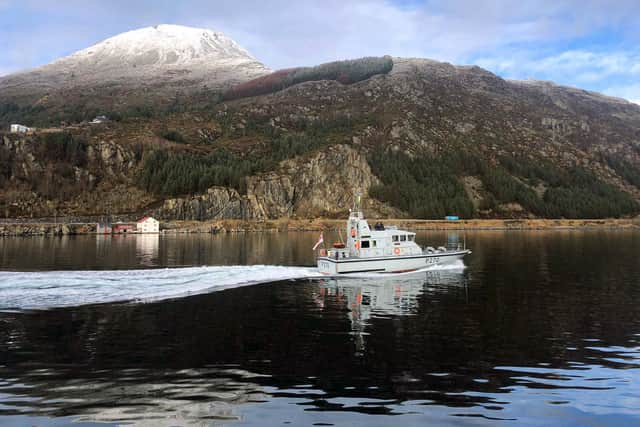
9 229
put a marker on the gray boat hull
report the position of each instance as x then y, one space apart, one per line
389 264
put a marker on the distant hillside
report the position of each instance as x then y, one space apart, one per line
345 72
420 138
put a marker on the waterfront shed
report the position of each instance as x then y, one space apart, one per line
148 225
123 228
103 228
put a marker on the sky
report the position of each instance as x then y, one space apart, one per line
590 44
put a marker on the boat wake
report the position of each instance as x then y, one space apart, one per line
53 289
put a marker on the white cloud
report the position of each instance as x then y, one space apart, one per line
284 33
580 65
630 92
611 72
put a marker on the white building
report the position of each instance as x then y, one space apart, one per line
16 128
99 119
148 225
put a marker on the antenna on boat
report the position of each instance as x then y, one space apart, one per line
357 205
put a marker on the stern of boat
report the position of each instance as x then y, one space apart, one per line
327 266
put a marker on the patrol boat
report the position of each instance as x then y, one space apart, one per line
381 250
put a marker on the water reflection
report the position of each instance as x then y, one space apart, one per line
147 248
106 252
384 297
543 329
189 395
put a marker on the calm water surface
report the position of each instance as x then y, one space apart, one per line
541 328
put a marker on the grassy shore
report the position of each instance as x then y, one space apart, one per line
222 226
287 224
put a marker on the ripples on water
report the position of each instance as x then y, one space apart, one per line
539 329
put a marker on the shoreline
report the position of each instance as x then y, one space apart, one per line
9 229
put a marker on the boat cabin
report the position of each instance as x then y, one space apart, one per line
381 241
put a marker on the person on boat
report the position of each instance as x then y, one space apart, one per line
379 226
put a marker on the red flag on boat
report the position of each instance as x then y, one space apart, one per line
320 240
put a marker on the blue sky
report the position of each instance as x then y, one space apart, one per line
591 44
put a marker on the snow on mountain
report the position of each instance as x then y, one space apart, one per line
148 56
162 45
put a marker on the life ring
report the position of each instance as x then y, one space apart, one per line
396 251
353 232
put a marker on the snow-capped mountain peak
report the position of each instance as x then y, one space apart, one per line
160 56
171 45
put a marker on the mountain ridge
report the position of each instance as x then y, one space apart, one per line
427 138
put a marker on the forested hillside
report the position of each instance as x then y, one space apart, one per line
421 138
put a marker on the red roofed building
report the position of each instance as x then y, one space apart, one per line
123 228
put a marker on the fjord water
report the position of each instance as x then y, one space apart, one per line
541 328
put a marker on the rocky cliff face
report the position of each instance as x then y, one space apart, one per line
217 203
322 184
47 175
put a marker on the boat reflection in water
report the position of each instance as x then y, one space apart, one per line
383 296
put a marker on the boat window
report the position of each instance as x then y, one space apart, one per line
374 243
395 238
403 238
411 238
365 244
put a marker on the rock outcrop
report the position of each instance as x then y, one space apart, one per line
321 184
217 203
113 158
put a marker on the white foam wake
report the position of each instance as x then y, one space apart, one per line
40 290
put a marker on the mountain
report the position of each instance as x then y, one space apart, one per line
139 68
419 138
